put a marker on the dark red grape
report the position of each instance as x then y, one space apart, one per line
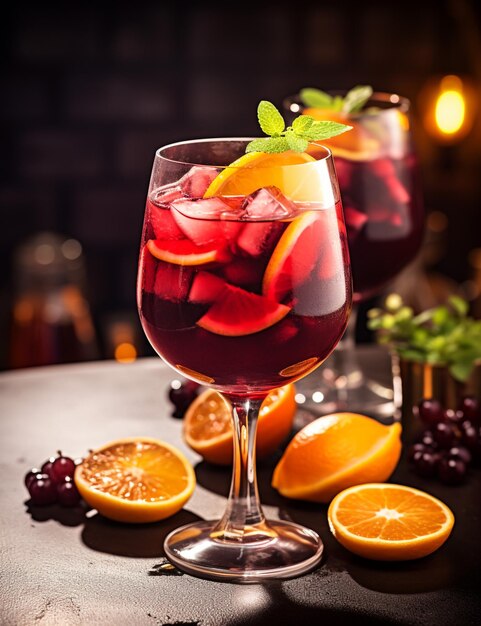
461 453
444 435
428 440
62 467
469 436
42 490
425 463
47 467
430 411
30 476
67 493
471 408
454 417
451 471
182 394
417 447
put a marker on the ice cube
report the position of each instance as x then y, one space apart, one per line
206 219
197 180
268 203
166 195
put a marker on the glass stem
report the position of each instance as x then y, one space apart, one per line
348 370
243 519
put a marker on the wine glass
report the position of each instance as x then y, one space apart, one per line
244 286
381 194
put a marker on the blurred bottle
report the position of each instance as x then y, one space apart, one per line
51 321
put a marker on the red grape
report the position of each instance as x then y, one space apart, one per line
67 493
42 490
62 467
451 471
430 411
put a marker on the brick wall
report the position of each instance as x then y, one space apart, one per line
89 93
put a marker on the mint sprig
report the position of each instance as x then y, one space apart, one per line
444 335
352 102
296 137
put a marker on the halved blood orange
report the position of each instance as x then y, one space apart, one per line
294 257
255 170
208 424
138 479
185 252
241 312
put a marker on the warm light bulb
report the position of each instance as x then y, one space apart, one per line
450 106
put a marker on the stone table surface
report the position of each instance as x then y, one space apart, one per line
68 567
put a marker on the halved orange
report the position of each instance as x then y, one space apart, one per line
208 424
335 452
185 252
389 522
136 480
287 269
302 181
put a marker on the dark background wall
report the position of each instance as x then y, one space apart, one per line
88 93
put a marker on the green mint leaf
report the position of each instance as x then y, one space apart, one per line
356 98
311 97
461 370
325 130
337 103
270 145
270 120
295 142
302 124
459 305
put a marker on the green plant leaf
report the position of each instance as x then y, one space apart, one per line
270 145
311 97
270 120
461 370
356 98
459 305
302 124
296 143
325 130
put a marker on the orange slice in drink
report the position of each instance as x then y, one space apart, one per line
238 312
208 424
286 268
136 480
302 181
335 452
185 252
389 522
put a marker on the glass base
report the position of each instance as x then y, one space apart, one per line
283 550
324 394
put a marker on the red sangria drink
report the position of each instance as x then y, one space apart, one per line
378 177
258 277
244 285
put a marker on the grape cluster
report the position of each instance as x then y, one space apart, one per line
182 393
53 482
451 441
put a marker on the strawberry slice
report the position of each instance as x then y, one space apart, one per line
239 312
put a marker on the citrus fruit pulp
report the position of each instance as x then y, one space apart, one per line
185 252
335 452
239 312
389 522
208 424
301 181
136 480
287 268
